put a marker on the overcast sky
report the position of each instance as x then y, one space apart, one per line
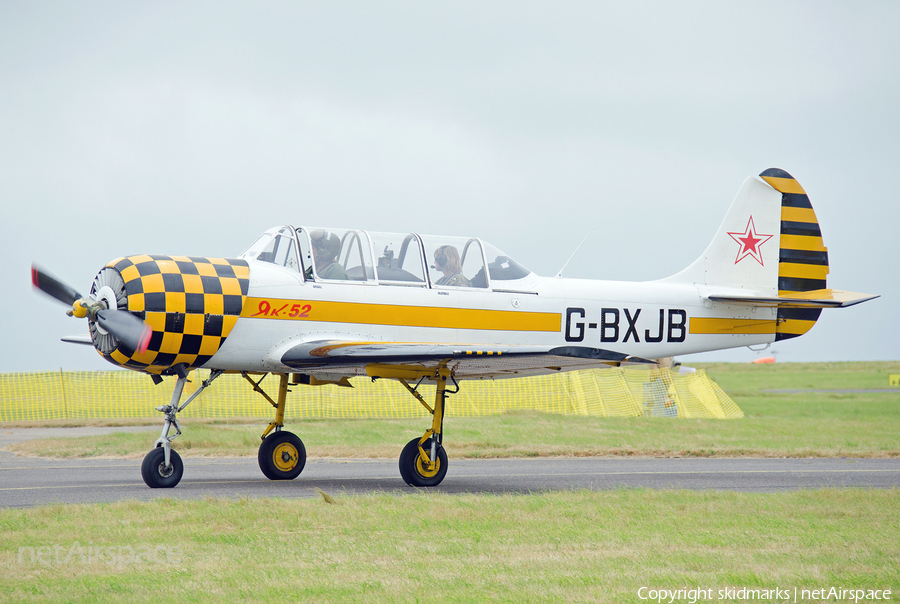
189 128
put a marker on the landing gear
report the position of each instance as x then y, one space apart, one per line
162 467
281 455
423 461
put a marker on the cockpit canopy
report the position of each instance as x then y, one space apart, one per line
399 259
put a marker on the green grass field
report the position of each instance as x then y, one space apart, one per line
543 547
555 547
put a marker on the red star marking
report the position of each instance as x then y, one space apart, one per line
750 242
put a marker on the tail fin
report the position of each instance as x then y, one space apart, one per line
802 258
769 252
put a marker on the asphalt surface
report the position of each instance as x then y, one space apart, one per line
28 481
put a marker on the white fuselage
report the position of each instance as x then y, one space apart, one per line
653 319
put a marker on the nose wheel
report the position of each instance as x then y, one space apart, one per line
157 474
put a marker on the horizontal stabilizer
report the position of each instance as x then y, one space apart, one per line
818 298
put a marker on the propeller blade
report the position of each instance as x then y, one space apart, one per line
125 327
53 287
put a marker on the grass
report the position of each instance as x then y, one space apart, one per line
808 424
744 378
553 547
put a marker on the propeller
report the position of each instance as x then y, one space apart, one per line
124 326
53 287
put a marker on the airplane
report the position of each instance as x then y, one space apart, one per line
321 305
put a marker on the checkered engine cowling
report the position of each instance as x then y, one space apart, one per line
191 303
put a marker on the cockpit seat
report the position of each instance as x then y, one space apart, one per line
356 273
396 274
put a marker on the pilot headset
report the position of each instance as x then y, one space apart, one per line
441 260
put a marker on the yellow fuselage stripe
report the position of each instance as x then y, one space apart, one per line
390 314
795 326
714 325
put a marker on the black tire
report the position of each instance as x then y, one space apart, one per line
281 456
414 472
154 472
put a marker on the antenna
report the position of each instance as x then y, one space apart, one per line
559 274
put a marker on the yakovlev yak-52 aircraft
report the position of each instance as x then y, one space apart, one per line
318 306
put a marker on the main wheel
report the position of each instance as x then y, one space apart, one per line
282 456
413 469
156 474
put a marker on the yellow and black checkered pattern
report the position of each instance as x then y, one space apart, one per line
191 303
803 258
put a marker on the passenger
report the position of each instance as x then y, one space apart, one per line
446 260
326 248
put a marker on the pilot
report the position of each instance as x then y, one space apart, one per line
326 247
446 260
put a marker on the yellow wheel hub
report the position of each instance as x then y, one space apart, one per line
427 470
285 457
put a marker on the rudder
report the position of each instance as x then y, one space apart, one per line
803 257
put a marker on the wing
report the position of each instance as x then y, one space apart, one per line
464 361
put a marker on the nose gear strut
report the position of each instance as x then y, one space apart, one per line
162 467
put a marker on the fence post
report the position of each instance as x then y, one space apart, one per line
62 384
